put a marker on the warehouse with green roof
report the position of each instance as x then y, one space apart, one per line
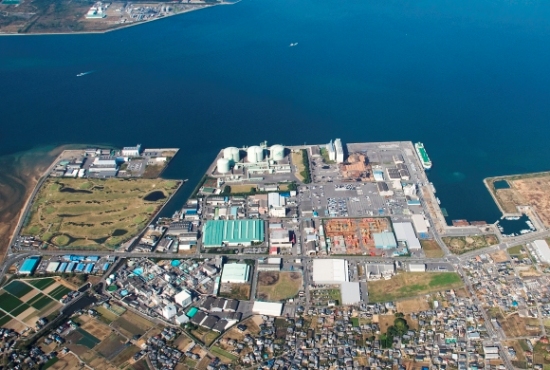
232 233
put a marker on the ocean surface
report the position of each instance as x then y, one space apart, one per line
469 78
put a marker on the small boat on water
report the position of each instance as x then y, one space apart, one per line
292 44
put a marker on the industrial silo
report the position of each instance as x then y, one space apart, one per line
224 165
232 153
255 154
277 152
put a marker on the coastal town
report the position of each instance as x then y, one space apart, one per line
326 256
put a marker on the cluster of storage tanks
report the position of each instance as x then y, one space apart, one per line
254 154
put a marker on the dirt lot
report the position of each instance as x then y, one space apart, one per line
499 256
236 189
431 249
535 191
81 212
463 244
413 305
111 346
235 291
297 160
515 326
94 327
67 362
276 286
385 321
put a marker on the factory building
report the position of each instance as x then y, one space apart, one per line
542 250
232 233
52 267
378 175
404 233
376 271
417 267
339 149
183 298
131 151
267 308
383 189
420 225
330 271
385 240
350 293
29 265
235 273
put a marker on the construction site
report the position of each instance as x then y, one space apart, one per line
354 235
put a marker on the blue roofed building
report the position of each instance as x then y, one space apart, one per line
89 268
29 265
232 233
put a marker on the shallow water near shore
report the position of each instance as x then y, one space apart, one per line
469 79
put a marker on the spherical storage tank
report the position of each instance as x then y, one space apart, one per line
255 154
277 152
232 153
223 165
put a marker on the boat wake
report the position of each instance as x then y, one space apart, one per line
84 73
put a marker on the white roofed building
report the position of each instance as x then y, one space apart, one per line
183 298
235 273
404 233
420 224
131 151
169 311
542 250
268 308
330 271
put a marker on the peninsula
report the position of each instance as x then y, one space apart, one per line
65 16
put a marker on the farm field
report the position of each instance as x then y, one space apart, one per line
22 303
411 284
276 286
463 244
111 346
41 283
95 214
131 324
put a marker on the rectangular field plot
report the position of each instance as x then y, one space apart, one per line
9 302
41 283
86 339
131 324
39 301
59 292
4 318
125 355
111 346
17 288
20 309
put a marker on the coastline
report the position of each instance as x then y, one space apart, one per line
122 27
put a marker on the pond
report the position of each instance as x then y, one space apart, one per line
71 190
501 184
119 232
154 196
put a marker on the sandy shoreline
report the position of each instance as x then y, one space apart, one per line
18 178
199 7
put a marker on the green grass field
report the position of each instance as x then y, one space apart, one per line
17 288
87 339
4 319
410 284
41 302
22 308
41 283
9 302
218 351
278 286
94 213
59 292
515 251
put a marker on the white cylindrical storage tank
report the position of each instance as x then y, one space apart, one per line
224 165
232 153
255 154
277 152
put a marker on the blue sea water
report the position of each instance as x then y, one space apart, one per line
468 78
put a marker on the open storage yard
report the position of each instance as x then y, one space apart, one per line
463 244
525 190
95 213
410 284
354 236
276 286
